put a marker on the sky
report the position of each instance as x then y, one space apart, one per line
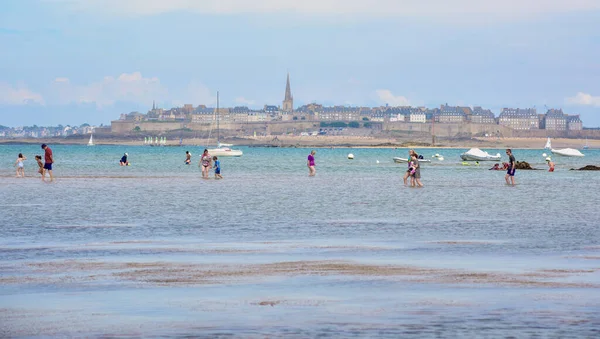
88 61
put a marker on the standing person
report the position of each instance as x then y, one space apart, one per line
38 158
217 168
512 166
550 164
48 161
20 165
310 162
407 173
205 161
416 172
123 161
188 158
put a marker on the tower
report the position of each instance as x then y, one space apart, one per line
288 101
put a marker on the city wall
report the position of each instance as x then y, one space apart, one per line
282 127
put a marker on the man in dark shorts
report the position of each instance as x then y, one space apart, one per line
510 173
48 160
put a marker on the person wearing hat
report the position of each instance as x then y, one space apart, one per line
550 164
48 161
124 161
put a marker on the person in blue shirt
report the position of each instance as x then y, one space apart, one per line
217 168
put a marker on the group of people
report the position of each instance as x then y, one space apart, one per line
414 170
205 164
43 167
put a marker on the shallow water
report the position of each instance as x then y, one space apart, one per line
152 249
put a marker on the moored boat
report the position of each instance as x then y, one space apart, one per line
567 152
475 154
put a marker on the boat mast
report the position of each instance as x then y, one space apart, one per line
218 115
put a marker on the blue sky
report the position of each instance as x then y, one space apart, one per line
76 61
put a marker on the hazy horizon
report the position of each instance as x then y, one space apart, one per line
74 61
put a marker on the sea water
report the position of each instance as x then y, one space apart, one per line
154 249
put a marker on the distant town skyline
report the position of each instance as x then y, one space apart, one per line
73 62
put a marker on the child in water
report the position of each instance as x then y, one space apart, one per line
38 158
217 168
20 166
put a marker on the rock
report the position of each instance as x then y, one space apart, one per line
524 165
587 168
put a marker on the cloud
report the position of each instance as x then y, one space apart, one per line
386 97
19 95
584 99
244 101
127 87
359 8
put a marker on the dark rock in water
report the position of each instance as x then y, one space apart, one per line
587 168
524 165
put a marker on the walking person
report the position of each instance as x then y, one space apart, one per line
38 158
48 161
550 164
416 171
407 173
217 168
204 163
310 162
512 166
20 165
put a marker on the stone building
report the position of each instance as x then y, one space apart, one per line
519 119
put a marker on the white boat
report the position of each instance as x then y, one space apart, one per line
91 142
548 144
475 154
223 150
405 160
567 152
586 146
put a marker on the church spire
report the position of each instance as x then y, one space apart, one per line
288 91
153 105
288 101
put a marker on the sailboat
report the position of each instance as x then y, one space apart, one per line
548 144
586 146
223 150
91 142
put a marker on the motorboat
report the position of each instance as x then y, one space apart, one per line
567 152
475 154
399 160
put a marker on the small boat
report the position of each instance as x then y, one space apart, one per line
91 142
567 152
586 146
475 154
223 150
548 145
399 160
351 156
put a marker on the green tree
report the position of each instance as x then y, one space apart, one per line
367 125
137 129
353 124
365 119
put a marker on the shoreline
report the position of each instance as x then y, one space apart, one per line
331 141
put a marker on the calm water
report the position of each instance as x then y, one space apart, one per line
111 250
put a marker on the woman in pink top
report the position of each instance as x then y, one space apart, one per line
311 164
